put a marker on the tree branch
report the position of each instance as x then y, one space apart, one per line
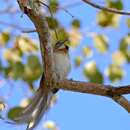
93 88
121 100
106 8
98 89
83 87
38 19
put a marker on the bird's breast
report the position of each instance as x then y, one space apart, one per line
62 64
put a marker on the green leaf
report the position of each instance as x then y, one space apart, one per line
115 21
105 19
33 62
17 70
92 73
117 4
52 23
33 69
14 112
115 72
128 22
125 47
87 51
101 43
76 23
7 71
4 38
53 4
78 61
1 66
62 34
118 57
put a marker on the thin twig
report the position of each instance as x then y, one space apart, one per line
29 31
66 11
106 8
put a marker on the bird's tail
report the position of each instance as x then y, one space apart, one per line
36 109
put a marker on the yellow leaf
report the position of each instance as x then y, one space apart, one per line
50 125
2 106
78 61
115 20
74 37
4 38
92 73
12 55
87 51
24 102
106 19
27 45
91 67
101 42
118 58
115 72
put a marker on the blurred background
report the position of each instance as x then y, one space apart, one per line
99 52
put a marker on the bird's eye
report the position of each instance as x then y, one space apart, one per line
59 44
67 47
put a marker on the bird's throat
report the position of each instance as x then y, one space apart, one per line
62 50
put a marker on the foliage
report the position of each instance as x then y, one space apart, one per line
20 60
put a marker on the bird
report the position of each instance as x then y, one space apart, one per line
41 100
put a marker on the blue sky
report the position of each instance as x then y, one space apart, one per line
76 111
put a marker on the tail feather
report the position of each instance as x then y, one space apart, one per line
34 111
40 111
25 115
34 102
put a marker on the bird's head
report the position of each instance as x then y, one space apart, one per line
60 46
